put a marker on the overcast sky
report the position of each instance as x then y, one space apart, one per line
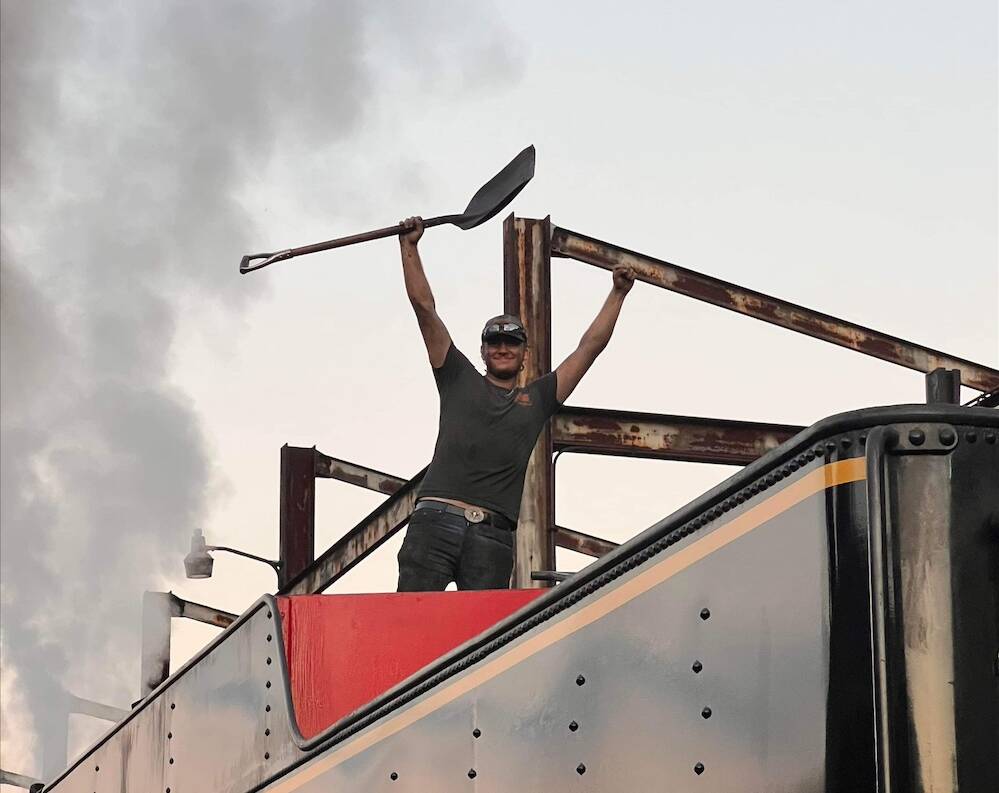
839 155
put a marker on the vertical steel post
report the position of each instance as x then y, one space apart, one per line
298 511
943 386
157 611
527 294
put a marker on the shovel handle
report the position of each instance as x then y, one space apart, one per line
246 264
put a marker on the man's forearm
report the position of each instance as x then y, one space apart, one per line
417 285
599 333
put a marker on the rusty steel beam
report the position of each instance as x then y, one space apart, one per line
327 467
388 518
665 437
527 294
769 309
297 522
582 543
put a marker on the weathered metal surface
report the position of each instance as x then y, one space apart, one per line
582 543
388 518
705 440
298 511
726 647
527 294
331 468
769 309
221 724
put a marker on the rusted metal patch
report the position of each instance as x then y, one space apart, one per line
667 437
573 540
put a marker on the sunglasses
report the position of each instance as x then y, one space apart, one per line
509 341
502 327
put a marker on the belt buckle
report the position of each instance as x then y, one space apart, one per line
475 515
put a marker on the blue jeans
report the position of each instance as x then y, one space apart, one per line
440 548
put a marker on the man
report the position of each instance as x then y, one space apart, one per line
468 503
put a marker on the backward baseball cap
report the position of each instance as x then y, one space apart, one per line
504 325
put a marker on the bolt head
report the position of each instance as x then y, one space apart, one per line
946 436
580 680
699 769
705 614
580 769
917 437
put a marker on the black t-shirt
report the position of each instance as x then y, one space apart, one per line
486 436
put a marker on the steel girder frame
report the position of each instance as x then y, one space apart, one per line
575 429
570 244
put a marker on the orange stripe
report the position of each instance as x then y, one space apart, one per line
838 473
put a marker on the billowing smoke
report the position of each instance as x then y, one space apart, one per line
128 130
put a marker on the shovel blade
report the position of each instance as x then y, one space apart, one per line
499 191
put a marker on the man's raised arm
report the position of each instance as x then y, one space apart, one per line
572 369
435 335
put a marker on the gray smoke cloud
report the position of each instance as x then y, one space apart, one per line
128 129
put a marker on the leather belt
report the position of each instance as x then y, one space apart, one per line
472 514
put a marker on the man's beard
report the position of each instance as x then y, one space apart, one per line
502 374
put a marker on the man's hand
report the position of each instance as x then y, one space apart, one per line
624 279
412 230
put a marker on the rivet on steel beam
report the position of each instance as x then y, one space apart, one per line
268 660
573 726
267 708
697 667
706 713
830 446
580 769
705 614
171 761
471 773
267 731
269 615
267 755
580 680
476 732
173 705
971 436
863 439
699 769
269 637
393 776
946 436
990 437
169 737
917 437
97 768
268 684
846 443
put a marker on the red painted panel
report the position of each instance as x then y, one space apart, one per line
344 650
